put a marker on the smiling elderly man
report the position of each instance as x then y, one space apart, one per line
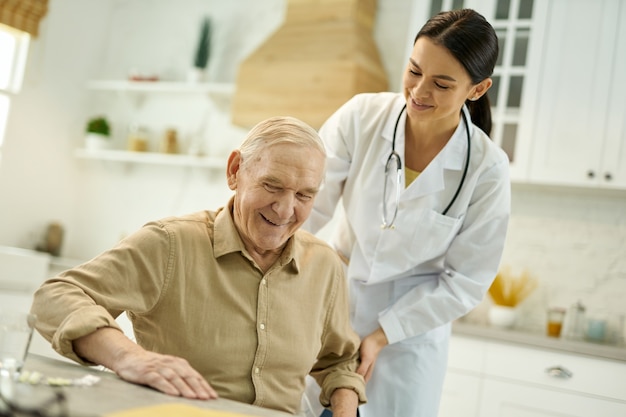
236 302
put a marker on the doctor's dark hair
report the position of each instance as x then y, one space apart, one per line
474 43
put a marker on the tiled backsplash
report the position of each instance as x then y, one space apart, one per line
574 243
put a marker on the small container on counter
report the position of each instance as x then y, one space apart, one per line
555 318
596 328
501 316
574 327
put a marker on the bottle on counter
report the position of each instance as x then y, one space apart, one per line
576 323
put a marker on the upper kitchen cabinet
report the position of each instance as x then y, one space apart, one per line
614 159
579 134
520 26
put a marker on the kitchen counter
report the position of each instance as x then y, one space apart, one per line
538 340
113 395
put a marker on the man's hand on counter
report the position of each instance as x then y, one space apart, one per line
169 374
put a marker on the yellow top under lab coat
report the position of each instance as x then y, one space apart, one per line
431 269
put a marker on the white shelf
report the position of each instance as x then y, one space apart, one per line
162 87
152 158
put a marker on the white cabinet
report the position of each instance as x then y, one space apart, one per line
487 378
559 94
614 158
508 399
580 106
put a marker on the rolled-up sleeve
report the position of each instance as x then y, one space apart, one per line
339 357
90 296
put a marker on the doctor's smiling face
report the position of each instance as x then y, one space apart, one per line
436 85
452 61
275 181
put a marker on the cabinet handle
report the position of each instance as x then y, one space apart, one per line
559 372
608 176
591 174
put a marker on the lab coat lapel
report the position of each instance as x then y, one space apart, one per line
387 133
451 157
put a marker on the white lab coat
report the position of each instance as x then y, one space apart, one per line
415 279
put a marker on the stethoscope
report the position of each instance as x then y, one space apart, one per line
395 158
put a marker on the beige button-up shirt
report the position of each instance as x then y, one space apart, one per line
191 290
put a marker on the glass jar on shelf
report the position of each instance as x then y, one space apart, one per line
138 138
169 143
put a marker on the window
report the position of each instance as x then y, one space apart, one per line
13 52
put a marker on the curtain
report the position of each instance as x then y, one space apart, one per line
23 14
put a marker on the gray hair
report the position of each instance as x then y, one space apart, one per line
277 130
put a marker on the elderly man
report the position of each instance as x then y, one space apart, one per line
236 302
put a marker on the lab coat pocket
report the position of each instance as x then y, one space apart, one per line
417 240
434 235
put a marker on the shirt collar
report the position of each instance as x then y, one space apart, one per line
227 239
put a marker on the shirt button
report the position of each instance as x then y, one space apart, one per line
263 281
257 370
262 326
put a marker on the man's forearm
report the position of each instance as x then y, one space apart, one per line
104 346
344 402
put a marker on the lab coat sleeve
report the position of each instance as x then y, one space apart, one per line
470 264
338 134
128 277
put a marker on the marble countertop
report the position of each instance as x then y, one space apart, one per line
581 347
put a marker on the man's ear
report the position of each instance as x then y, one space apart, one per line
232 168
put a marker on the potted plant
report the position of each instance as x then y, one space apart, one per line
97 133
203 51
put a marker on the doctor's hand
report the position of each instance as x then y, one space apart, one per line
169 374
371 345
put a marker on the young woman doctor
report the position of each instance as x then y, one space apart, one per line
425 206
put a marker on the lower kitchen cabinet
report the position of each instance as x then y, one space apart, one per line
488 378
511 399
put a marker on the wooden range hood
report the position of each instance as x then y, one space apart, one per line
322 56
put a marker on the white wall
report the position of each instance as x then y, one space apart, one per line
573 241
82 40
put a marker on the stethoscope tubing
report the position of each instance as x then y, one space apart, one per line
394 154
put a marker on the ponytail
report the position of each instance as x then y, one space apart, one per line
480 112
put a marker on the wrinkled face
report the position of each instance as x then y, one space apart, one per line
274 194
436 85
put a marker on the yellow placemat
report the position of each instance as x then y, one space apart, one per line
171 410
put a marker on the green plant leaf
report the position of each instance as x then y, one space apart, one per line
203 50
